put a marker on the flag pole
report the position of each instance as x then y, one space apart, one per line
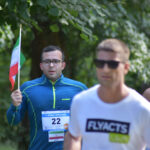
19 57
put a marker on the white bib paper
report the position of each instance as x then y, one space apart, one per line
55 120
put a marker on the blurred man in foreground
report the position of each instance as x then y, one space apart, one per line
110 115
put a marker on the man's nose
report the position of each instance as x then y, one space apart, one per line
51 64
106 68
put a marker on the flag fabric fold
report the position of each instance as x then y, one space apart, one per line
17 59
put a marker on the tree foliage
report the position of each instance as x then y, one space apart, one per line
76 26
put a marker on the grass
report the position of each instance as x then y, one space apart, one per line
7 147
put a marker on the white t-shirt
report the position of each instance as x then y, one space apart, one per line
124 125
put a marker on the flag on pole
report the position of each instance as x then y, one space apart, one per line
17 59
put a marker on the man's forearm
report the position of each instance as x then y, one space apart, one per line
72 143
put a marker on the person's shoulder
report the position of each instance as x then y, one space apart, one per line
146 94
75 83
30 83
135 95
89 93
85 97
139 100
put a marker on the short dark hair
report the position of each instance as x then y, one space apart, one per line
51 48
115 45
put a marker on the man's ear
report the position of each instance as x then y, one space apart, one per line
127 67
41 66
63 65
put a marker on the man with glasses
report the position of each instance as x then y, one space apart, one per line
47 100
110 115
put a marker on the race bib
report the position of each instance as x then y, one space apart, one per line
55 120
56 123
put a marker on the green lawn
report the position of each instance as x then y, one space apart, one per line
7 147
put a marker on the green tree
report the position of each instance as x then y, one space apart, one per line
77 27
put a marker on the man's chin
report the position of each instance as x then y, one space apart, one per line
51 77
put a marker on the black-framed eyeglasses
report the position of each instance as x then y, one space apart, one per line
112 64
53 61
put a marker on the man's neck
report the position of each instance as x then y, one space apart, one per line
113 95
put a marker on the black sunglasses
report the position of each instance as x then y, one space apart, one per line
112 64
